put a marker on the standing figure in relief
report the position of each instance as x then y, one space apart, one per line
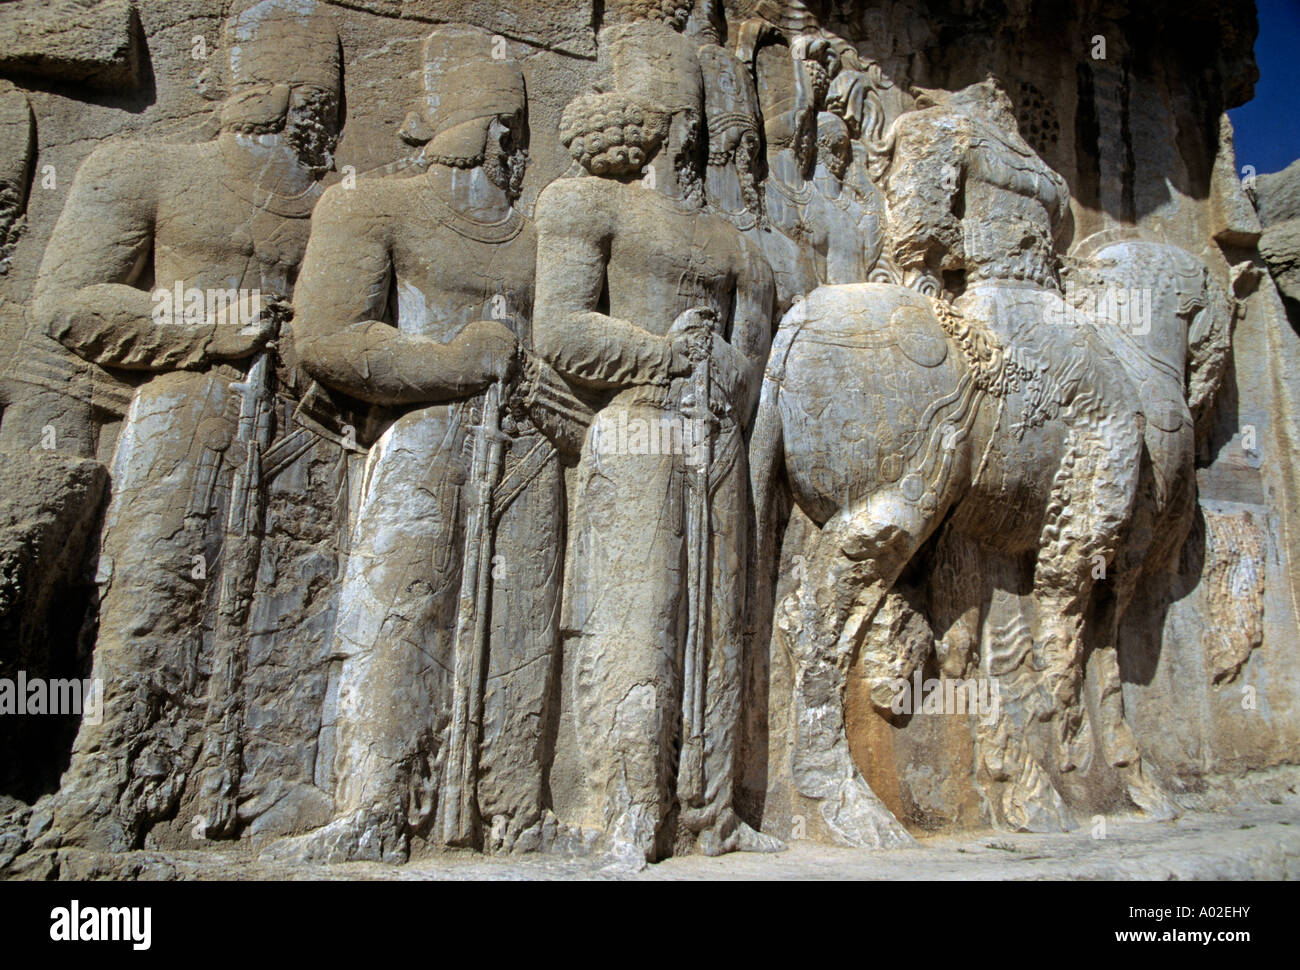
733 181
732 185
227 218
417 293
787 99
661 310
854 97
846 236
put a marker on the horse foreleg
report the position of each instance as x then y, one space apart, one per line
1116 739
1091 506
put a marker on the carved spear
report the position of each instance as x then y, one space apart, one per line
459 803
221 759
690 780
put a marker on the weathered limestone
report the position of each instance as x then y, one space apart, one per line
1278 198
16 146
457 492
93 42
635 429
187 470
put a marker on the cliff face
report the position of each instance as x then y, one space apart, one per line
1278 201
1026 429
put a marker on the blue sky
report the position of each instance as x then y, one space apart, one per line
1268 127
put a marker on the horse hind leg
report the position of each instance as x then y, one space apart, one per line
1018 789
858 557
1152 544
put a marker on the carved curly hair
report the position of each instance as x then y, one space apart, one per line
612 134
673 12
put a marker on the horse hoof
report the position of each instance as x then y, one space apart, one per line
730 834
1148 796
624 859
353 838
1031 803
856 817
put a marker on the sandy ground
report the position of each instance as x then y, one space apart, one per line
1250 841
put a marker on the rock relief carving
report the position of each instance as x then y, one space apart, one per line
943 383
1011 419
196 443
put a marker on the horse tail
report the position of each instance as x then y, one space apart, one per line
766 454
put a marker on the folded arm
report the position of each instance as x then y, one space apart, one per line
588 347
343 341
86 296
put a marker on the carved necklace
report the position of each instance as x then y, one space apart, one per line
297 206
241 181
673 204
467 227
798 198
743 219
839 200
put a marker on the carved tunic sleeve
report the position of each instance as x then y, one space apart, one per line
589 347
85 297
340 300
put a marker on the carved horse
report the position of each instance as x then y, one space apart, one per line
894 417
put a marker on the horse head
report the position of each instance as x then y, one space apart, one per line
1153 298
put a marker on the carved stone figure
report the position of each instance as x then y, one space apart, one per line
831 219
732 183
656 574
228 217
788 105
45 394
1005 417
418 293
52 400
846 235
663 398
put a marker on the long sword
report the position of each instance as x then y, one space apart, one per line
222 755
690 783
459 803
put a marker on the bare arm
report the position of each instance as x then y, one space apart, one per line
586 346
340 300
85 294
751 329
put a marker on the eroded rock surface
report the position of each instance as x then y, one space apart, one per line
634 429
1278 200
